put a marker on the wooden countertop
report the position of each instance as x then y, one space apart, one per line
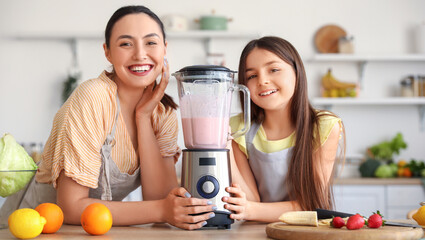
239 230
378 181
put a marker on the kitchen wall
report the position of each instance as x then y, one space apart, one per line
33 70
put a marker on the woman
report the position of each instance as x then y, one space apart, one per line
118 132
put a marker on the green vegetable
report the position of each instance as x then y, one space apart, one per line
416 167
14 157
385 150
368 168
423 173
384 171
394 168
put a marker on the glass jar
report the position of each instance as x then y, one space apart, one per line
346 44
407 86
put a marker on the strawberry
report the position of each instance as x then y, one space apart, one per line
355 222
337 222
375 220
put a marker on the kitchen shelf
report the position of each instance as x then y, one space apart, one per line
370 101
205 35
327 103
338 57
197 34
363 59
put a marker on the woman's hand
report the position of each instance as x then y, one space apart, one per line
238 203
152 94
183 211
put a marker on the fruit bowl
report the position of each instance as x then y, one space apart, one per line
11 181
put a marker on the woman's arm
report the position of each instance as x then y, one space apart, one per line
158 174
242 174
73 198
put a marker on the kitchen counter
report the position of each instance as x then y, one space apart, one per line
240 230
378 181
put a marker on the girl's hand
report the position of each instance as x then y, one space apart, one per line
152 94
179 208
238 203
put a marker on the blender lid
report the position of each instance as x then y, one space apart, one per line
197 69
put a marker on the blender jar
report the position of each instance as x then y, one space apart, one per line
205 95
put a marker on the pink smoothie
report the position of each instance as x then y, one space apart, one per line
205 133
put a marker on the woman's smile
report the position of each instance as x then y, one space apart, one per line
140 69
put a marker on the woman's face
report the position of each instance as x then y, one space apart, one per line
136 50
270 80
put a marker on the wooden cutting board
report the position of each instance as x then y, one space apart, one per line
326 38
280 230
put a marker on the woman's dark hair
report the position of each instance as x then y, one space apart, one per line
303 179
124 11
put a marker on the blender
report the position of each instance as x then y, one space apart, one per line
205 95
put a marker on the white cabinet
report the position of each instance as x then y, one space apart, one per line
360 199
401 199
393 201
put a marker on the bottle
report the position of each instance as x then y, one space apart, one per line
407 87
346 44
36 152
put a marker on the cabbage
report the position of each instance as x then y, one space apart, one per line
14 157
384 171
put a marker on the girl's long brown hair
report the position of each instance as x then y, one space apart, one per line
303 180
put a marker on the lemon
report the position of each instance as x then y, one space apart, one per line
419 216
26 223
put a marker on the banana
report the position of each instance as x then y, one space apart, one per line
329 82
308 218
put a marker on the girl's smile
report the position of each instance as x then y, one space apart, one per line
267 92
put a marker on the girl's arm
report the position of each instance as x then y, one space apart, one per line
73 198
325 158
242 174
270 212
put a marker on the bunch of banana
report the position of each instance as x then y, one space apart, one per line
334 88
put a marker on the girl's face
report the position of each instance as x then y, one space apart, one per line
136 50
270 80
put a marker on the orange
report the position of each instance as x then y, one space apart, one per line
53 215
407 172
96 219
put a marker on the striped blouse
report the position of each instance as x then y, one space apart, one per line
80 128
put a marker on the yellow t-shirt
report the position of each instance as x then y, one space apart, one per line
269 146
80 128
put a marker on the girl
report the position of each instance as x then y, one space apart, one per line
117 132
285 161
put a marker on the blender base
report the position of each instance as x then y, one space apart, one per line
220 221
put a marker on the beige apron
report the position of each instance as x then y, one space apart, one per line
112 184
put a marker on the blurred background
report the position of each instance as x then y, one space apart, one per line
378 45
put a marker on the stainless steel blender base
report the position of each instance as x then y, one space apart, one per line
206 174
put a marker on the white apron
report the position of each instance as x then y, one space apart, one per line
269 169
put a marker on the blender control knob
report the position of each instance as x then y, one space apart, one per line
208 186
